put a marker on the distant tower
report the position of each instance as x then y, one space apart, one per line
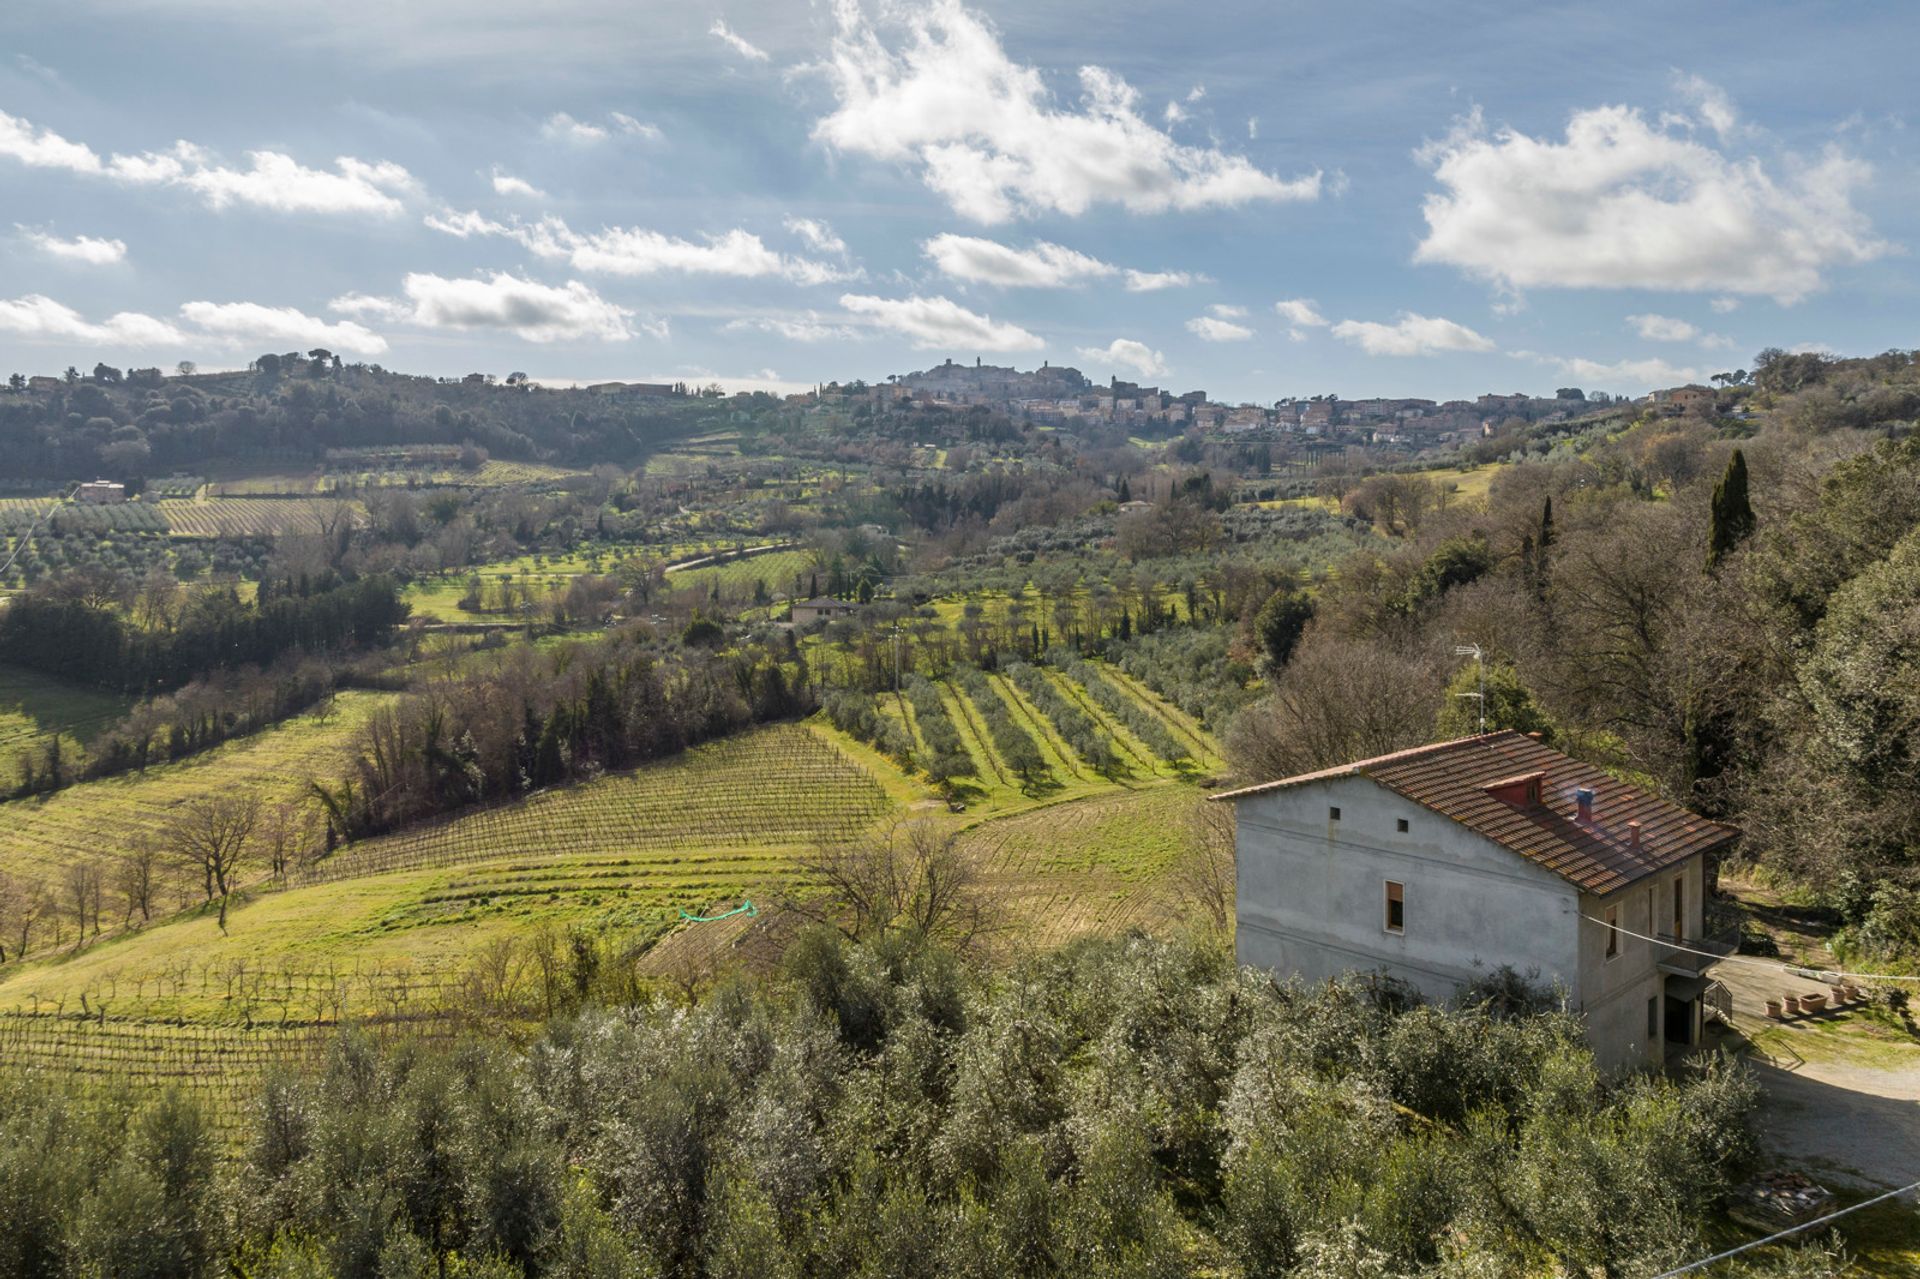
976 361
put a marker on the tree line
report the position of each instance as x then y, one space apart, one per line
540 719
62 628
1118 1108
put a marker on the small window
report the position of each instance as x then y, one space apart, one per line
1396 908
1653 1019
1333 813
1613 931
1400 824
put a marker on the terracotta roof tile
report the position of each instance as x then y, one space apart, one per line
1599 856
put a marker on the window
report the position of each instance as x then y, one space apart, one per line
1653 1019
1613 931
1680 908
1401 825
1333 813
1396 908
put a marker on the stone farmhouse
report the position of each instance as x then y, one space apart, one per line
1442 863
821 607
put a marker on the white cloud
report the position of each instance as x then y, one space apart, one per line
464 225
809 327
280 183
1410 334
43 148
1154 281
987 135
940 322
1174 113
1196 93
1666 328
1663 328
242 323
1253 127
1216 329
92 250
635 128
637 251
1623 376
1724 306
1622 203
1300 314
1227 311
1711 101
37 317
738 43
1137 357
507 184
1041 265
536 312
818 235
272 180
562 127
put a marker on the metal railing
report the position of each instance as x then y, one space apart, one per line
1691 956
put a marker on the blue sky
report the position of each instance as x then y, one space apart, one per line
1259 200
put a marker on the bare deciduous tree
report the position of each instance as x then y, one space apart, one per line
213 835
137 876
287 836
82 887
22 904
1337 701
913 876
1202 877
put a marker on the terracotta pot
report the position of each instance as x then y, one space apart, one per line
1854 993
1813 1003
1839 995
1773 1009
1793 1005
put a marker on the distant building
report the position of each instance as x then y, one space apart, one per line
1691 399
101 492
822 607
44 383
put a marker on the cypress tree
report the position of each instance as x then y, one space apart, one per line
1731 513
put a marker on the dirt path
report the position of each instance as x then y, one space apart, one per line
1843 1090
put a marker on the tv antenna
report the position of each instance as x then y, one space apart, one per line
1480 665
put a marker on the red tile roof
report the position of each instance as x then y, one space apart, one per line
1452 779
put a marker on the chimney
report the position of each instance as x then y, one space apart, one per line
1633 834
1583 803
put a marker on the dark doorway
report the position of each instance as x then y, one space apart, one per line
1679 1022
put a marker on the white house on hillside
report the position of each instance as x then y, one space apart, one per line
1441 863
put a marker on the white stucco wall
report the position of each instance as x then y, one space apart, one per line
1311 892
1311 902
1615 991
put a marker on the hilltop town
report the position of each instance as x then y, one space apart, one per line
1060 396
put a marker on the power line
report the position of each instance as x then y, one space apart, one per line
32 528
1704 1262
1810 974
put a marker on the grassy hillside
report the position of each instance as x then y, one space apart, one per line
33 707
90 822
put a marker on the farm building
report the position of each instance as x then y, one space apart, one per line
1442 863
101 492
822 606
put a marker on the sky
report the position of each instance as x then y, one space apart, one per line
1257 200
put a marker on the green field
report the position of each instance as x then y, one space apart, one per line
34 707
736 579
40 838
406 928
